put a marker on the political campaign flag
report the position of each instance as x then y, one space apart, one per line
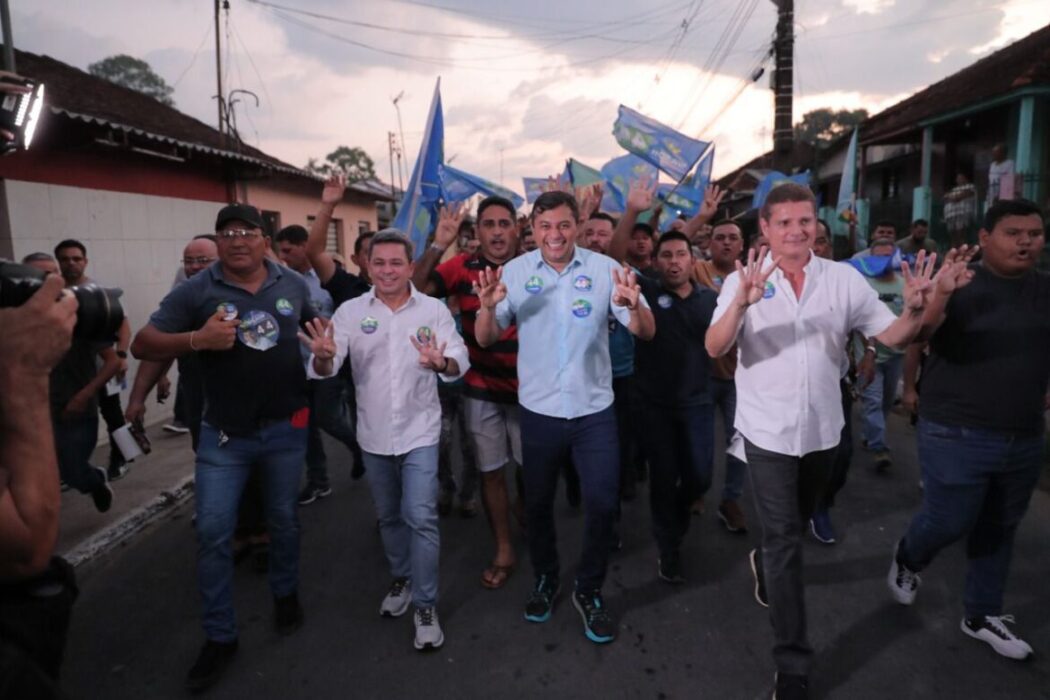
534 187
670 151
773 179
419 206
457 185
847 204
702 175
620 172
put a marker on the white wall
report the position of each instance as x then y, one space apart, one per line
133 241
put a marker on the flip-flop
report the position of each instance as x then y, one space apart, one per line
496 575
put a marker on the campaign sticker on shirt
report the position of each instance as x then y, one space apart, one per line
533 285
284 307
718 280
769 291
259 330
664 301
369 325
581 308
582 283
424 334
229 311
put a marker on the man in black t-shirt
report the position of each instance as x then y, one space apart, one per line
981 416
676 413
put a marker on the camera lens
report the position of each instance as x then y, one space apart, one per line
99 313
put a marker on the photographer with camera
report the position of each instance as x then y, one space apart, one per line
36 592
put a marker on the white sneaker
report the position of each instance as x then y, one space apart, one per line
993 630
395 604
902 581
428 629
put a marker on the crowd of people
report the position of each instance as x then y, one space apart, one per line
574 346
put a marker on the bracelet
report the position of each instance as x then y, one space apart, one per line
194 349
872 349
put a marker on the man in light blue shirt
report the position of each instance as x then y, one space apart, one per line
560 296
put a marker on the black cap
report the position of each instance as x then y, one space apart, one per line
239 212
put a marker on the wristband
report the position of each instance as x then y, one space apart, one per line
435 246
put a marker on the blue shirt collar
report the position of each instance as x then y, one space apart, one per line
579 257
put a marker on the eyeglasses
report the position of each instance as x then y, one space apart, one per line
231 233
198 261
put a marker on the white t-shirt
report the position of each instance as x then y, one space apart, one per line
995 174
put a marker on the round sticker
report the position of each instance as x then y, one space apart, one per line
581 308
533 285
582 283
718 280
424 334
228 310
258 330
664 301
369 325
769 291
284 307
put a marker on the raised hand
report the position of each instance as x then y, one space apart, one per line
626 288
589 198
318 337
640 195
918 283
955 272
713 195
490 288
753 277
449 219
431 354
333 189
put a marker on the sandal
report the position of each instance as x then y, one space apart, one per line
496 575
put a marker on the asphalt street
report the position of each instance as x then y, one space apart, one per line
136 631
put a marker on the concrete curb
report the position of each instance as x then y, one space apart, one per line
131 524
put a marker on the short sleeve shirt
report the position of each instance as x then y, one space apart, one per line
564 370
261 378
344 286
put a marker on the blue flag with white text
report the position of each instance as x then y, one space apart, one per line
670 151
773 179
457 186
419 206
620 172
702 176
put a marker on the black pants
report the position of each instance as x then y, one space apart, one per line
113 414
843 453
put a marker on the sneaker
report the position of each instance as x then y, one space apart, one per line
312 493
395 604
993 630
176 427
820 526
791 687
102 495
883 461
287 614
760 583
732 516
428 629
444 503
468 508
597 624
669 569
541 601
210 664
117 471
903 582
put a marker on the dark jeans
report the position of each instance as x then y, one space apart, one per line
328 412
75 440
590 442
977 484
680 446
453 426
723 396
786 490
113 414
626 427
843 453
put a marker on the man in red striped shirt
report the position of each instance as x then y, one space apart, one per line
490 388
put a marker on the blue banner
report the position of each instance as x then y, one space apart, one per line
773 179
419 206
457 185
702 176
620 172
683 200
670 151
534 187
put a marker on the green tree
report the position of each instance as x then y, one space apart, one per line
353 162
822 126
136 74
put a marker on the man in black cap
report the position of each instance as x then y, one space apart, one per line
242 317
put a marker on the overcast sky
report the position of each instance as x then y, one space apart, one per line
539 80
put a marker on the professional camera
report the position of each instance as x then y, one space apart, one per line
98 317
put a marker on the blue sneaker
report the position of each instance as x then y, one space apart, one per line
597 624
541 601
820 526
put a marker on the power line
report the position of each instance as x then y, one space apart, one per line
269 100
193 58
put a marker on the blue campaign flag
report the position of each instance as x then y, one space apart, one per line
419 206
582 175
620 172
702 176
773 179
534 187
846 208
457 185
670 151
681 200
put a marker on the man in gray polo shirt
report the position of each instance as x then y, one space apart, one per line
242 317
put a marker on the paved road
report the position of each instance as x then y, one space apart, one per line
136 631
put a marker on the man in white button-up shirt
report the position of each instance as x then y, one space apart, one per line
788 319
398 340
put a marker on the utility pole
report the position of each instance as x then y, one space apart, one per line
400 131
783 85
9 42
218 72
390 143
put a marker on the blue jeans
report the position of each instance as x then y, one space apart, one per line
405 490
877 399
680 446
723 395
328 412
75 440
977 483
276 450
590 443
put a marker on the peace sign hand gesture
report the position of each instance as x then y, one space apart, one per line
431 355
490 288
713 196
627 289
318 337
753 278
918 283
